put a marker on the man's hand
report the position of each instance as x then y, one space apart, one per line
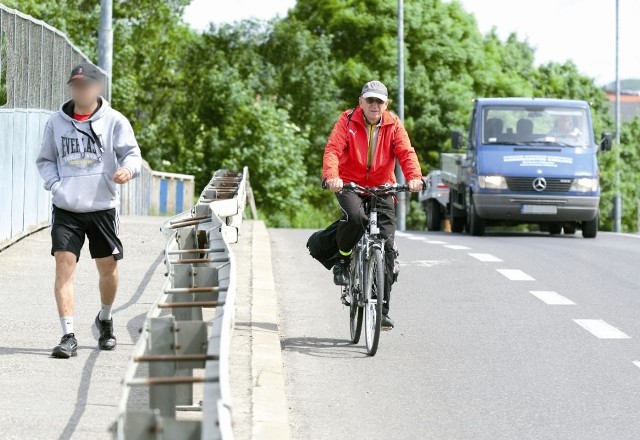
415 185
334 185
123 175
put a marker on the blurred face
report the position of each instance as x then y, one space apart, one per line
373 108
85 93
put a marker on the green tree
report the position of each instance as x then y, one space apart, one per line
629 179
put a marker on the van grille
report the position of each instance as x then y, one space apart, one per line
525 184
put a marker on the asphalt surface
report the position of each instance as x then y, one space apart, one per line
475 354
47 398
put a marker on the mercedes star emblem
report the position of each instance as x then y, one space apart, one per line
540 184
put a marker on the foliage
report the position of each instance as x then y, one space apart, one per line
266 94
416 216
629 179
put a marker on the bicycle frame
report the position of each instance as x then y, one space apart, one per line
362 251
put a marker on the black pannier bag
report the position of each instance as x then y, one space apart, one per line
323 245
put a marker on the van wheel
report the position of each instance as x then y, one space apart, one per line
458 222
476 223
590 228
569 229
555 229
434 217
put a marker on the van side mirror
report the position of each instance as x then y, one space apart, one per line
456 140
607 142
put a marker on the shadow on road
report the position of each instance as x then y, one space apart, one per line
37 351
323 347
85 380
81 397
500 232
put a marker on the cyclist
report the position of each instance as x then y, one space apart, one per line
362 149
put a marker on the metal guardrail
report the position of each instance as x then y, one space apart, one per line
176 338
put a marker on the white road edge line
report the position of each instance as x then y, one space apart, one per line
515 275
486 258
601 329
623 234
456 247
552 298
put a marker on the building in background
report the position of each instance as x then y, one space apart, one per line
629 98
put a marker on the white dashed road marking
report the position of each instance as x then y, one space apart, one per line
486 258
552 298
456 246
435 242
413 237
601 329
636 363
515 275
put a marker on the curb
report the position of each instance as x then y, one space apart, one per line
269 404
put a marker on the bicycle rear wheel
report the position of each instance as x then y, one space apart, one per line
374 289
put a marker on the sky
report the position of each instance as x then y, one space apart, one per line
559 30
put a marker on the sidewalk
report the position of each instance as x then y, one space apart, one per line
47 398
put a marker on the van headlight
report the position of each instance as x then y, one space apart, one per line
492 182
585 184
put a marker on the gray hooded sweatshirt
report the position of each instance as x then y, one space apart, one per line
77 160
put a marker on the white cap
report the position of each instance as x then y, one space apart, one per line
375 89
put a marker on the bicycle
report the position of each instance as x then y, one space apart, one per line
364 293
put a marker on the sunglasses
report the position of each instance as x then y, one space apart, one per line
371 100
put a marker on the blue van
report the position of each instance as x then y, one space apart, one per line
527 160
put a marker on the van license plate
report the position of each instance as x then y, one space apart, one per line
539 209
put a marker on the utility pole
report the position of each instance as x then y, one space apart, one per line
618 201
105 42
401 213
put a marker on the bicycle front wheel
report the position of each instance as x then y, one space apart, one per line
374 297
355 315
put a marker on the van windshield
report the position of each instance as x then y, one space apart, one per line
535 125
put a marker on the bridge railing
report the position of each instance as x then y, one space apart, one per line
156 193
178 335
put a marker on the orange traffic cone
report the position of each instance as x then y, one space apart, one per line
447 225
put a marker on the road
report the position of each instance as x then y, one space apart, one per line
475 354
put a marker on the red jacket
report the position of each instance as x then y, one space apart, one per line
345 155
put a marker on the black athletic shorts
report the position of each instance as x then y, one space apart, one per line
68 230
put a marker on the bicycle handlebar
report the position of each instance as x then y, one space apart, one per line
377 190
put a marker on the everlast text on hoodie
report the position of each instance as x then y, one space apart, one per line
77 160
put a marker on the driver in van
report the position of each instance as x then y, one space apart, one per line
564 128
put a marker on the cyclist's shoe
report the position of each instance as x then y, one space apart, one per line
106 341
68 347
396 262
341 272
387 323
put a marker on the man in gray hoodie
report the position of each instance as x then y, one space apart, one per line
88 149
